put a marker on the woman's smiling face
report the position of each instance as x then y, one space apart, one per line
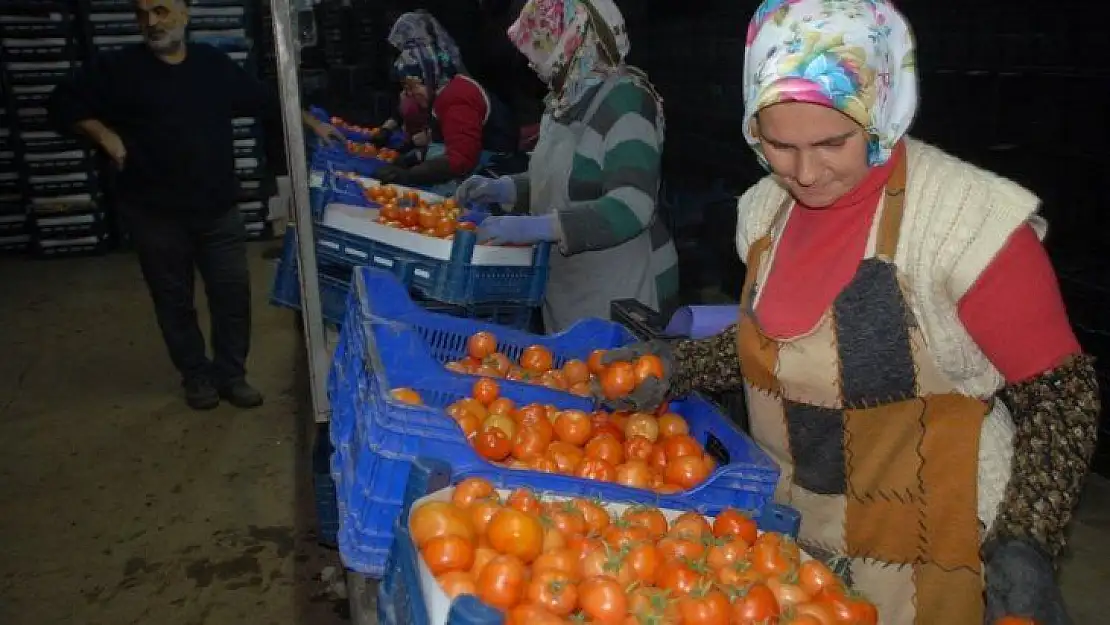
818 152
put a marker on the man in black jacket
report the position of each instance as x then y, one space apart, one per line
162 112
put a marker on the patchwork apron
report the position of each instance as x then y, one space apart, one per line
583 285
878 449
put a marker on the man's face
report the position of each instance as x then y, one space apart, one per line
163 23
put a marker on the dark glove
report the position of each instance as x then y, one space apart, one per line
381 138
427 173
1020 582
650 393
392 174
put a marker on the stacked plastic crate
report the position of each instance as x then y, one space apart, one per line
14 233
40 43
230 25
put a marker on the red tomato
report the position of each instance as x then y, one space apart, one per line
444 554
554 591
573 426
515 533
643 563
596 469
470 490
814 577
679 445
597 517
648 365
732 522
537 359
637 448
754 605
623 534
686 472
603 600
678 578
576 372
524 500
605 447
493 444
691 524
649 518
593 363
726 552
705 608
565 456
618 380
531 442
501 582
611 429
531 614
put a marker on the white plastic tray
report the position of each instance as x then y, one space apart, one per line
361 222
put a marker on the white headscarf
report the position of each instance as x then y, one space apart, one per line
856 56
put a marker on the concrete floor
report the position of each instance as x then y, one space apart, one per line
120 506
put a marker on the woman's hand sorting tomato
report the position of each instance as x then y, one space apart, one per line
577 560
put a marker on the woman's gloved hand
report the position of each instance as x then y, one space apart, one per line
1020 582
475 216
483 190
650 393
518 229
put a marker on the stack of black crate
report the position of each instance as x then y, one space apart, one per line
231 26
40 45
14 227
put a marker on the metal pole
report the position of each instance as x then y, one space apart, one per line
285 44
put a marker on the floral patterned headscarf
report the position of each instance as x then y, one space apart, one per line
856 56
584 40
427 51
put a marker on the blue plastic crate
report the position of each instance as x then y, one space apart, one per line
377 439
335 284
323 489
286 289
400 596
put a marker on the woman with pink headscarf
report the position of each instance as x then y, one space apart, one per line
594 175
902 343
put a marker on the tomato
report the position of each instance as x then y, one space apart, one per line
565 456
612 430
531 414
525 500
691 524
471 406
648 366
445 227
553 539
531 614
582 546
637 448
493 444
515 533
457 583
852 609
573 426
740 575
618 380
438 518
657 459
794 618
726 552
501 422
602 600
502 406
498 362
596 516
814 577
543 464
605 562
581 389
710 607
1014 620
554 379
671 424
732 522
406 396
481 345
537 359
470 490
679 445
787 593
531 443
819 611
563 561
483 555
686 471
596 469
634 473
410 217
485 390
647 517
554 591
576 372
681 548
677 578
772 554
448 553
641 424
622 533
643 562
482 512
605 447
501 582
470 425
593 362
567 518
755 605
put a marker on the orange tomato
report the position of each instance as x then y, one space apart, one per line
726 552
618 380
565 456
531 614
605 447
485 391
493 444
593 362
637 448
502 406
444 554
502 581
709 607
554 591
576 372
531 442
407 396
457 583
732 522
498 362
563 561
755 604
643 563
686 472
501 422
681 548
566 518
573 426
679 445
691 524
470 490
597 517
537 359
649 518
515 533
634 473
438 518
596 469
671 424
482 512
642 424
648 365
525 501
481 344
473 406
678 578
814 578
603 601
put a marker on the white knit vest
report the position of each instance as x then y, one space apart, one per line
957 218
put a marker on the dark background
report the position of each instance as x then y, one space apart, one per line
1010 86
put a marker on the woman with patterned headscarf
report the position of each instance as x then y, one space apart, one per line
444 110
901 340
593 178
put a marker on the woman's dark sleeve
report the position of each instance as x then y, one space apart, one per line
711 364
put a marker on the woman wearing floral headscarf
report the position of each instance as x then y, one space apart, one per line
593 177
902 342
444 110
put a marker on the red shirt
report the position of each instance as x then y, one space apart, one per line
1013 312
462 108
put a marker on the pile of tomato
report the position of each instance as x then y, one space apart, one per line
407 210
639 450
537 366
343 124
579 561
369 150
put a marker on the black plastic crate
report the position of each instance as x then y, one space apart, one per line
259 230
14 243
246 127
91 245
29 96
13 215
230 41
51 24
37 141
106 23
249 147
48 163
250 168
10 182
219 18
252 189
39 72
108 43
36 50
50 187
74 223
254 210
32 119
